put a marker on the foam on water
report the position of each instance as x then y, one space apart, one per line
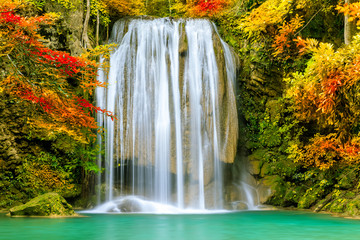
135 204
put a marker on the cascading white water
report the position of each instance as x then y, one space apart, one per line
170 137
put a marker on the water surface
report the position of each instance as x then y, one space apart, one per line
237 225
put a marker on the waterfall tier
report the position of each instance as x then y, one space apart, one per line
170 85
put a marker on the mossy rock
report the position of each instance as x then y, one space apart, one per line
311 196
348 179
338 205
323 202
350 195
291 197
254 167
49 204
285 194
353 207
257 162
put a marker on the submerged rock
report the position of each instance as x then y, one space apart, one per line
49 204
129 205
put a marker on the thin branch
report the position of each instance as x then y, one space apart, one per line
14 65
16 68
309 21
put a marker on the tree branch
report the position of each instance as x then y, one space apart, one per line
16 68
309 21
85 38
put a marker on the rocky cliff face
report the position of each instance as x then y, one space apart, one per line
13 147
66 34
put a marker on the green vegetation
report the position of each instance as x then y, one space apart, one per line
299 98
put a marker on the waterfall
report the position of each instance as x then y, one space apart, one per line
170 84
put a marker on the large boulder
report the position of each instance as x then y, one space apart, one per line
49 204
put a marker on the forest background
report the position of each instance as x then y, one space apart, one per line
298 94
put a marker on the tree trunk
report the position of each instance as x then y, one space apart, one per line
107 33
170 7
97 27
349 27
85 38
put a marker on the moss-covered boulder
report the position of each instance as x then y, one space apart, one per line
49 204
311 196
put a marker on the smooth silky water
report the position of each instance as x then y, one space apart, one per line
170 84
229 226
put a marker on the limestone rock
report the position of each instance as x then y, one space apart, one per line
266 188
49 204
239 206
256 162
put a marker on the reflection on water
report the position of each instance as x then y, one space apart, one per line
231 226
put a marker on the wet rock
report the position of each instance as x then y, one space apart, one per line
128 205
239 206
49 204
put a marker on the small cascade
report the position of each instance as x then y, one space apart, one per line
170 84
250 197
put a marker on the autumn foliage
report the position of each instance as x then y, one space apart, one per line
321 79
327 94
202 8
285 42
124 7
263 18
45 77
353 10
324 152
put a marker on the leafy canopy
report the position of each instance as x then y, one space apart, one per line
46 78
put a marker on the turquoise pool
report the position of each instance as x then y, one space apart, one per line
230 226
